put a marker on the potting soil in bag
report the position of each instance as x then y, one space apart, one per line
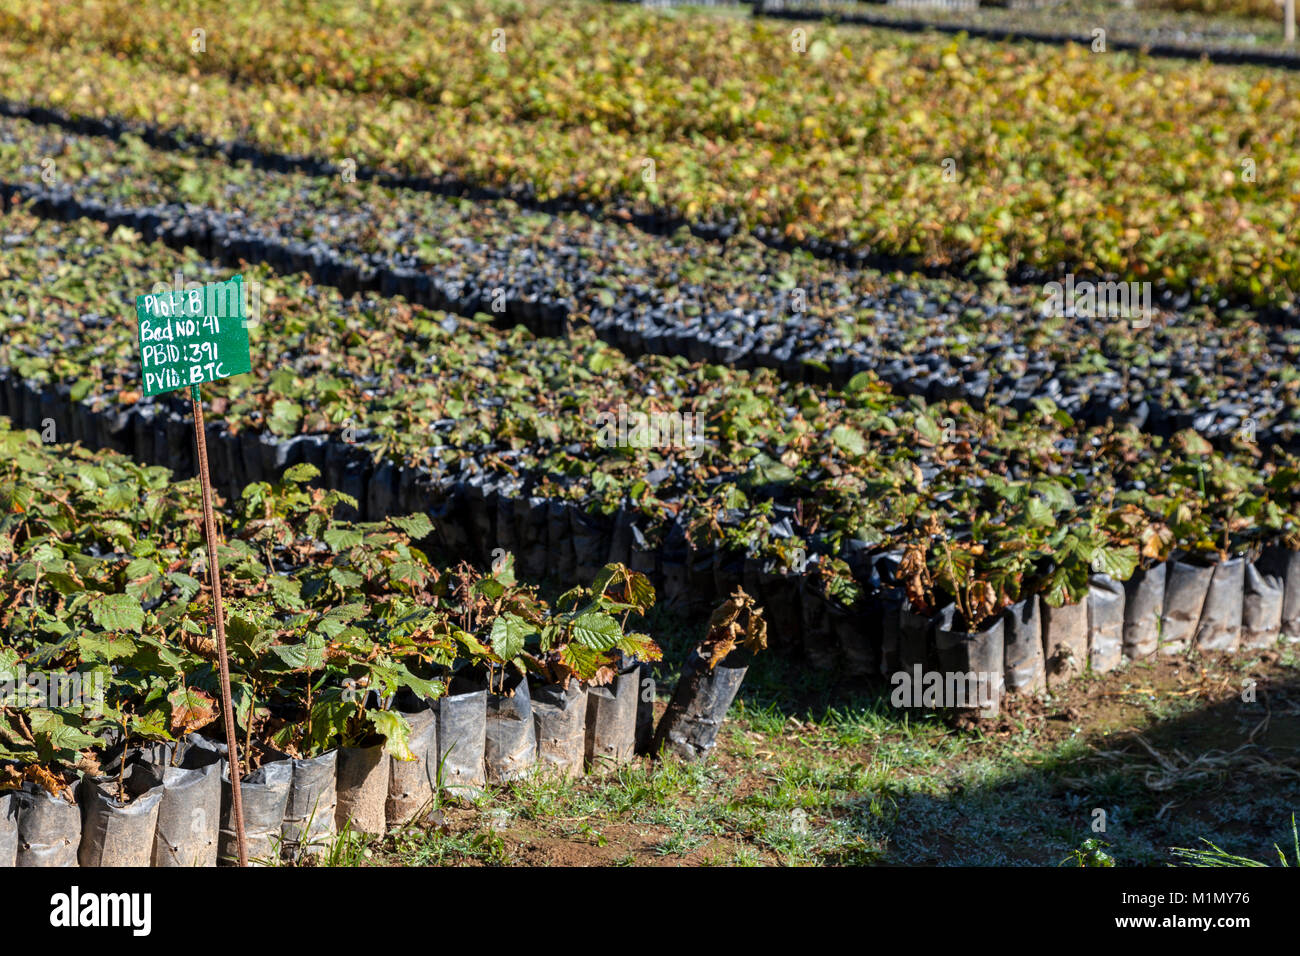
511 742
1219 628
462 739
779 587
560 723
645 709
1185 587
1105 623
643 554
673 559
118 822
857 634
620 538
414 489
264 794
531 536
506 527
561 560
689 727
591 542
820 648
381 490
916 640
447 511
480 514
49 828
189 816
1289 564
611 721
1261 609
1144 601
728 573
699 572
362 788
1065 641
891 632
971 663
8 829
410 782
310 810
1022 647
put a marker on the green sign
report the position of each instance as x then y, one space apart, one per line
191 336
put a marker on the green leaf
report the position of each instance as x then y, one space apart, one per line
1192 442
304 656
858 383
104 647
347 612
509 635
300 473
1119 563
640 647
117 612
583 661
52 733
247 634
928 430
345 579
596 630
416 526
286 592
398 675
396 732
849 440
151 725
1057 498
1038 514
341 539
284 418
187 585
406 572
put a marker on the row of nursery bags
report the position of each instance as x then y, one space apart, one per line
1221 607
177 811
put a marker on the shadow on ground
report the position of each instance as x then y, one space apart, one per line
1156 756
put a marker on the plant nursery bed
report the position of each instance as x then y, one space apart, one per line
1162 364
820 500
1171 742
770 137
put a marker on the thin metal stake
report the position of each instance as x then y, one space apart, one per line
219 619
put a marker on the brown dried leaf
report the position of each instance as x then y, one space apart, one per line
915 576
1156 540
983 602
52 784
199 645
192 709
89 763
726 632
335 654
